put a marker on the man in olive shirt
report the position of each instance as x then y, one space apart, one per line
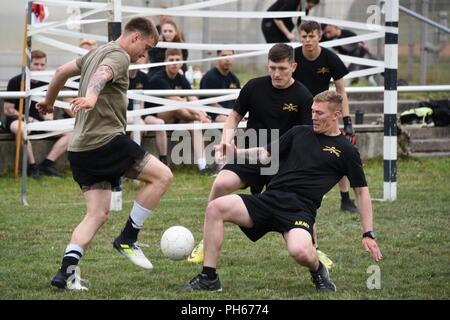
99 150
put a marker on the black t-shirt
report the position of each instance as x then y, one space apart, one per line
316 75
271 108
352 49
311 164
140 81
14 85
158 54
213 79
160 80
282 5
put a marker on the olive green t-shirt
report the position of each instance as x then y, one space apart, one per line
108 118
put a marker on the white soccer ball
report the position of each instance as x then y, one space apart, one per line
177 243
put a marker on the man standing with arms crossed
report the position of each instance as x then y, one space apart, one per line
99 150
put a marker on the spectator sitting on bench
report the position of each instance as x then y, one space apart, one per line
11 108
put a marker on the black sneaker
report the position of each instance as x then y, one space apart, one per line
33 171
202 283
348 205
61 280
208 171
322 281
50 171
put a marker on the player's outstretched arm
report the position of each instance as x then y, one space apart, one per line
64 72
365 209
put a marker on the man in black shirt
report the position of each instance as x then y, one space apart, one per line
170 79
139 80
221 77
274 103
11 108
280 30
359 50
312 160
316 67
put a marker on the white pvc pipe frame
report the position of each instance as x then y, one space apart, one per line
99 7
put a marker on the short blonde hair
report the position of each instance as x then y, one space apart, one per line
88 42
333 98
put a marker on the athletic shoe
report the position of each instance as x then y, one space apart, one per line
208 171
322 281
68 281
50 171
133 252
348 205
202 283
197 255
327 262
34 172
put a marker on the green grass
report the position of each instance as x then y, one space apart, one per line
413 235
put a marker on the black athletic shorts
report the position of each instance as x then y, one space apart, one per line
251 174
119 157
277 211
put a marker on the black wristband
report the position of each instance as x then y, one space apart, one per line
347 120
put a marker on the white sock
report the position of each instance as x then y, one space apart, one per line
139 214
72 250
201 163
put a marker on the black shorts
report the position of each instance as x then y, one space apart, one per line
251 174
277 211
119 157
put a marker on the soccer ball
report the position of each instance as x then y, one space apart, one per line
177 243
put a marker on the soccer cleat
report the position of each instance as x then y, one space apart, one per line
69 281
50 171
197 255
327 262
322 281
348 205
202 283
133 252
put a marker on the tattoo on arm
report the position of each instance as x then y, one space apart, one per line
99 80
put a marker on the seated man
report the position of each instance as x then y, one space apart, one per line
221 77
311 161
11 108
169 78
139 80
359 50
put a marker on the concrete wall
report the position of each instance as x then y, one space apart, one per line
370 145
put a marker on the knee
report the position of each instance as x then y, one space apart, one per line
165 178
300 253
221 187
214 210
100 216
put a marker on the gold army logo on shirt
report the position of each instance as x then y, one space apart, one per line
232 86
301 223
332 150
323 70
290 107
139 85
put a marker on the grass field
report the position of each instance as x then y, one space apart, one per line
413 235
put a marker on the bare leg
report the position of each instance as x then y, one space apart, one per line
97 212
157 178
224 209
59 147
301 249
14 129
225 183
